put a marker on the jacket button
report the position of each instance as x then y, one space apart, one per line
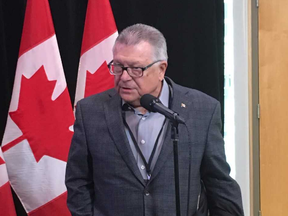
147 193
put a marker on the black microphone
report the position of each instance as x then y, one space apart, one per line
153 104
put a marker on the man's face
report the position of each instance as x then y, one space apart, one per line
132 88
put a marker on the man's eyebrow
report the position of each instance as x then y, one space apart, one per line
131 64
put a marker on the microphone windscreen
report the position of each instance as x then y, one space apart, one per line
147 102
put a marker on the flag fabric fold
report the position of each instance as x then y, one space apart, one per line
38 131
6 201
99 35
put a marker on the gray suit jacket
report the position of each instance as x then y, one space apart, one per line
102 176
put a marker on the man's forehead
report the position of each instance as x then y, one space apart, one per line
133 53
141 44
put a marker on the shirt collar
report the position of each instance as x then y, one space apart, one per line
164 96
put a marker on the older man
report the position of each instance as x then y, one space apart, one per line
121 156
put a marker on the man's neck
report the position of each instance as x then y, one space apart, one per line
141 110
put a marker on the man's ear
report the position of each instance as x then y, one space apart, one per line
162 69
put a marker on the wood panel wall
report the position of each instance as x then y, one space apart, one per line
273 99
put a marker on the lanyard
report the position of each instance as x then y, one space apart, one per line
147 165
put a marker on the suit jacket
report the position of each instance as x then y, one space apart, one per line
102 176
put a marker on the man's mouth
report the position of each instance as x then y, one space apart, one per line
126 88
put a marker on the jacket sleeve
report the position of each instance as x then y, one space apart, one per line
223 192
79 175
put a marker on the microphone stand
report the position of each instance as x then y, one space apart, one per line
175 138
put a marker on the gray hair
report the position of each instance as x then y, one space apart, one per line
137 33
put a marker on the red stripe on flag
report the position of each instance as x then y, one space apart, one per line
6 201
99 23
56 207
37 14
13 143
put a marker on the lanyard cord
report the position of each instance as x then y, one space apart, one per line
147 165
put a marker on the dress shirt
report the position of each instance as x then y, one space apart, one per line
145 129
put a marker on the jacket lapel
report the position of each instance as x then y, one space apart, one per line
113 115
179 103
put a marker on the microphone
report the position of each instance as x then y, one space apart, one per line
153 104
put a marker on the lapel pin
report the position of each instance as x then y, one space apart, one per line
183 105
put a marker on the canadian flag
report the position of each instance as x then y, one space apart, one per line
38 131
99 35
6 201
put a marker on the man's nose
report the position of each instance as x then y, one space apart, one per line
125 75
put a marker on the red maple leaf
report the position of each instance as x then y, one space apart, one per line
98 82
43 122
1 161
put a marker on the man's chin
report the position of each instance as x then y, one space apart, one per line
132 101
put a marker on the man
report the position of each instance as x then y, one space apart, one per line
121 156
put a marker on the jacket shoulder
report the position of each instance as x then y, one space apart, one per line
198 98
96 99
